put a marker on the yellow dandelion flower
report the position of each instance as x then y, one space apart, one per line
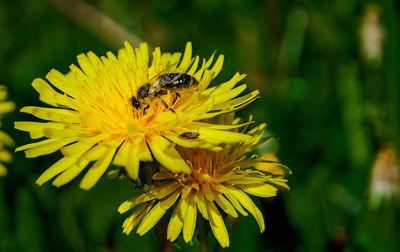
223 179
5 140
117 109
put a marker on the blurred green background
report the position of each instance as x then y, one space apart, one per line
329 75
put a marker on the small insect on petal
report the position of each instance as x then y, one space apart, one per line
189 135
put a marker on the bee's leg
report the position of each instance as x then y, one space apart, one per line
146 108
166 105
177 95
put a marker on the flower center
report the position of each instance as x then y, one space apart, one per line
204 165
205 177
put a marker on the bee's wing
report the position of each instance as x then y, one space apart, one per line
155 80
167 69
176 77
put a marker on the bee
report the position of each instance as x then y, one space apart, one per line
164 83
189 135
173 82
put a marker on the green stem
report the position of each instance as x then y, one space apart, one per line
203 234
161 234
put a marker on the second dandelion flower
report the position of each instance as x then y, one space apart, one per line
218 180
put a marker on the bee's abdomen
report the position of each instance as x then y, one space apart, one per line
174 81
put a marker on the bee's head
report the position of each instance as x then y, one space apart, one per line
135 103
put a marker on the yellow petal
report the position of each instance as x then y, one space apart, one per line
151 219
204 81
35 129
208 193
182 142
61 82
222 88
97 170
233 200
170 200
247 203
61 133
189 223
232 105
279 183
217 66
129 204
194 66
187 57
58 167
210 60
127 156
225 205
246 180
86 66
76 149
185 191
95 61
167 189
49 95
155 63
77 75
176 222
239 102
144 153
199 73
167 156
53 114
195 126
144 50
201 204
45 91
132 167
45 147
70 173
37 144
229 94
131 222
121 158
174 59
259 190
217 224
128 49
218 136
229 176
162 175
96 152
94 139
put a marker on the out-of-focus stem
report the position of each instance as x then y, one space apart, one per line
392 75
161 234
99 23
353 115
203 234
